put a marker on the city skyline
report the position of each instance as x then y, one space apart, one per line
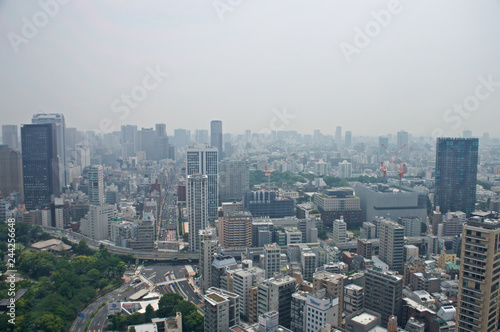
322 75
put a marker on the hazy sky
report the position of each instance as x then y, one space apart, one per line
368 66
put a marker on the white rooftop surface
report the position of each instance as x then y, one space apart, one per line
364 318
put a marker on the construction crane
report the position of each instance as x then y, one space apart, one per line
268 172
384 165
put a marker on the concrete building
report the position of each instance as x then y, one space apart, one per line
272 260
216 136
308 262
267 204
204 159
391 244
197 208
96 185
145 236
220 264
412 226
320 310
243 280
11 173
383 293
345 170
293 235
410 252
321 168
298 305
234 179
339 230
364 321
365 248
339 202
354 299
478 298
96 223
369 231
334 286
208 248
381 200
10 136
235 230
221 310
275 294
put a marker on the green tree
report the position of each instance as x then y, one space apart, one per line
49 323
167 304
193 322
150 313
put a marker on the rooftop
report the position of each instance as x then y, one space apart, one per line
364 318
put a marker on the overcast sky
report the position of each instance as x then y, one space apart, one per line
254 64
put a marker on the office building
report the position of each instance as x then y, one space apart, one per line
339 230
41 174
478 299
235 230
10 137
208 248
354 299
339 202
364 321
129 139
216 136
11 173
402 143
221 310
412 226
272 260
145 236
391 244
60 138
161 143
410 253
383 143
365 248
203 159
96 185
321 168
243 280
369 231
197 208
381 200
147 142
96 224
338 136
437 219
220 265
298 305
348 139
456 174
334 286
268 204
383 293
234 179
345 170
275 294
320 310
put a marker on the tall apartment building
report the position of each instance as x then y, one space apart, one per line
129 140
96 224
234 179
478 303
235 230
96 185
369 231
298 305
203 159
334 286
365 248
41 176
348 139
272 260
403 140
275 294
345 170
242 281
391 244
339 230
60 137
221 310
339 202
456 174
197 208
208 248
383 293
412 226
11 173
10 137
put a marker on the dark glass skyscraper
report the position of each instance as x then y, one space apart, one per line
216 136
40 165
456 174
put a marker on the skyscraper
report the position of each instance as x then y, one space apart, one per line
10 137
235 230
197 208
478 299
11 173
402 140
348 139
456 174
208 247
60 138
203 159
391 244
40 165
96 185
338 136
216 136
129 141
382 154
234 179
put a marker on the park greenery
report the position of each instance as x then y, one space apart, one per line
59 286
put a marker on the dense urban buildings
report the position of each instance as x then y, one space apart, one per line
456 174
